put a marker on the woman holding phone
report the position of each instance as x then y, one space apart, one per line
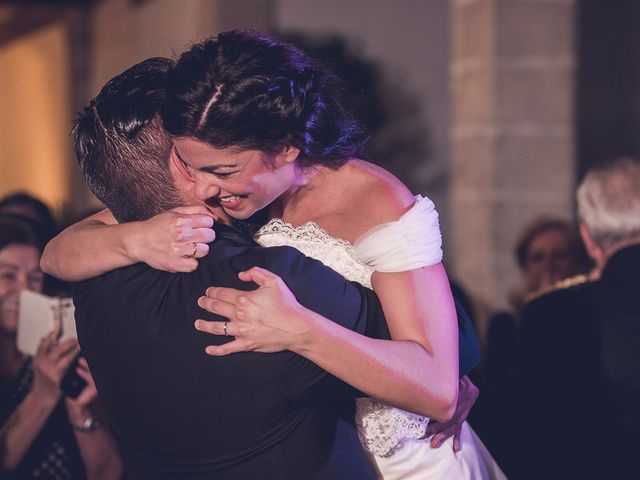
43 433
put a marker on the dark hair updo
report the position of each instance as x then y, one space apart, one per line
249 90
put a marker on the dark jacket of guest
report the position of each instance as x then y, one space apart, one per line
579 373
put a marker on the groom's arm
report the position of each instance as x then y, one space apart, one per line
329 294
468 345
322 290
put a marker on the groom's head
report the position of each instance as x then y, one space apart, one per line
122 147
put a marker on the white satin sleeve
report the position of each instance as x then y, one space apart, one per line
412 241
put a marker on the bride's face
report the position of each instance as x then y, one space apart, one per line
240 181
19 270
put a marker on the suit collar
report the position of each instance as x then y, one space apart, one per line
624 264
233 235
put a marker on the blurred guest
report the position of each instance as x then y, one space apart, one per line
43 434
549 250
33 209
580 355
35 212
550 255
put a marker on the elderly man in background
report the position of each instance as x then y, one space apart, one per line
580 354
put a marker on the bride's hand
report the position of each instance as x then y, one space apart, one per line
268 319
173 240
467 396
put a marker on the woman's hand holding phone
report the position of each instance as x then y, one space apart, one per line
50 363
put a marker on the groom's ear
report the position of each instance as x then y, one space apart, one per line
178 169
182 178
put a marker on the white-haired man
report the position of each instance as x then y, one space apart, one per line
580 352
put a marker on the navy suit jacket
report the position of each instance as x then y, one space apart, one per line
179 413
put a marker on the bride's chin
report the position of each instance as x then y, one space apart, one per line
238 215
241 214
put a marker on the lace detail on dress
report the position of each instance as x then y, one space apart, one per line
315 242
382 429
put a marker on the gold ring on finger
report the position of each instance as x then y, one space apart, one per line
225 329
195 250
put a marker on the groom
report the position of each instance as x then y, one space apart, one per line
176 412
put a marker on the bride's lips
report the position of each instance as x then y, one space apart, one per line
231 202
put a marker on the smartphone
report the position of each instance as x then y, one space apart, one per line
41 315
72 383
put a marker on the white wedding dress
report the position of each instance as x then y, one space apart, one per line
393 438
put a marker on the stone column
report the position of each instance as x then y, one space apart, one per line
512 133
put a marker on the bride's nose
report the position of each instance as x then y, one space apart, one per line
205 189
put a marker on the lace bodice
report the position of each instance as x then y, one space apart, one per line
315 242
381 428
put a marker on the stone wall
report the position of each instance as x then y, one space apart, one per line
512 133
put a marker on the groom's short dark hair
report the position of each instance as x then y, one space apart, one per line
122 146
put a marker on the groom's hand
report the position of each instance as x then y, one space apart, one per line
174 240
467 395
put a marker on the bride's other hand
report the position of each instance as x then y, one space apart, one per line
170 241
173 241
467 395
268 319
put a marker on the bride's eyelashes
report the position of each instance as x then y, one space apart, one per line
223 175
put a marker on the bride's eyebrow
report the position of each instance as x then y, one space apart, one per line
206 169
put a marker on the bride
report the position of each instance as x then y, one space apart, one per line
257 123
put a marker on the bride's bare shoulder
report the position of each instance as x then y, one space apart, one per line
370 196
380 189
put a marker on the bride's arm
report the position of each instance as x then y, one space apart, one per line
419 307
393 371
418 370
99 244
270 319
400 238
